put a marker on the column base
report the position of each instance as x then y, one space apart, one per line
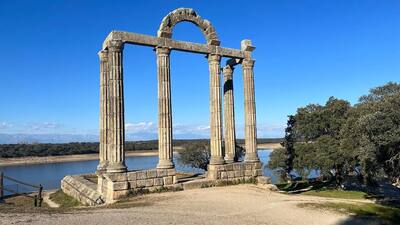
251 157
165 164
229 159
102 167
216 160
119 167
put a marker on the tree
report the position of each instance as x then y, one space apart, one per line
341 140
288 144
196 155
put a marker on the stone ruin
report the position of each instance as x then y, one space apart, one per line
114 180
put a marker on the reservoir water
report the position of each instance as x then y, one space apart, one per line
50 175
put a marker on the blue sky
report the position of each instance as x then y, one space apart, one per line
306 51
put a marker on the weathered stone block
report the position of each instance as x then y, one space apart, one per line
158 181
212 174
151 174
231 174
117 186
229 167
215 167
132 184
248 166
174 179
119 194
162 173
140 183
171 172
168 180
149 182
116 177
248 173
236 166
141 175
239 173
224 175
131 176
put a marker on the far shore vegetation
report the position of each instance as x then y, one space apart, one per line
47 149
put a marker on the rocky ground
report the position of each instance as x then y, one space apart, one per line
240 204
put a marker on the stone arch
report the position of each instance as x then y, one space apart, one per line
189 15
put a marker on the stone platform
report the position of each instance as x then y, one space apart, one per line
112 187
238 170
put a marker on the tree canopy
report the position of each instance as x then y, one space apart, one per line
339 139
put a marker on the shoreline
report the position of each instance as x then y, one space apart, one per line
32 160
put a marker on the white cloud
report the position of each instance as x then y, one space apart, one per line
41 127
146 127
149 129
5 125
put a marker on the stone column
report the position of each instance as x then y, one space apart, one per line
103 55
215 110
229 115
165 151
250 111
116 120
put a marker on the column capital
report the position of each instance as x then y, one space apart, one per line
162 50
103 55
246 45
248 63
115 45
214 58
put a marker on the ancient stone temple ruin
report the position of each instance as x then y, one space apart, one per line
115 181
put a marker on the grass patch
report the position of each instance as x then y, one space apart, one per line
387 213
64 200
21 204
333 193
298 185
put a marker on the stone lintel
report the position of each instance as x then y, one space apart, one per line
147 40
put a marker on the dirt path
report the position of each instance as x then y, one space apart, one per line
48 201
241 204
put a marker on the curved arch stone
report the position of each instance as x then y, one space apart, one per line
189 15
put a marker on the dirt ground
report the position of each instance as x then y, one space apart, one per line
240 204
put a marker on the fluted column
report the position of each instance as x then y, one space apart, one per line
215 110
116 120
165 151
229 115
103 158
250 111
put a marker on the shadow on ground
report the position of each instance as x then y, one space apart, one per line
366 220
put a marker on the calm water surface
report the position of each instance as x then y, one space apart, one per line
50 175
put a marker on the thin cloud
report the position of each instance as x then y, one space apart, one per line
147 127
5 125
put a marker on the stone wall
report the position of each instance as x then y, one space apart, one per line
235 171
115 186
82 190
